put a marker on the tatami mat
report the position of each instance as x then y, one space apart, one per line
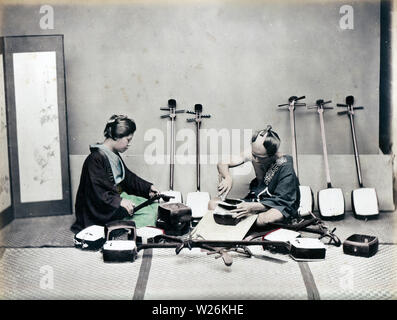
193 275
342 276
384 227
26 264
63 273
38 232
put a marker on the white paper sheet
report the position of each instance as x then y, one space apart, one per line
36 103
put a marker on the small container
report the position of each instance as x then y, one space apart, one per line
222 214
147 234
307 249
174 218
226 218
120 250
90 238
361 245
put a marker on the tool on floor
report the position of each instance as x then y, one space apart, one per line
301 249
281 234
220 249
364 200
93 237
177 196
157 196
174 218
147 234
313 225
222 214
198 200
331 203
307 249
120 250
307 201
361 245
90 238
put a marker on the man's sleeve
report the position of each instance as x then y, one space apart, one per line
285 194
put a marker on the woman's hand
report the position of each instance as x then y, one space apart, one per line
153 191
128 205
224 187
246 209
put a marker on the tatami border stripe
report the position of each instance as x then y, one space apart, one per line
311 288
143 276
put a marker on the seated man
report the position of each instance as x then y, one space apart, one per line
274 194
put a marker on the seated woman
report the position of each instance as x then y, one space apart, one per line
105 177
274 194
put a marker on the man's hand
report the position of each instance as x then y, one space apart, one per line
246 209
224 187
128 205
153 191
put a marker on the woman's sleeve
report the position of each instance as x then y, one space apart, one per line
132 184
104 200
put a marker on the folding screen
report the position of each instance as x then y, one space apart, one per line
37 128
6 214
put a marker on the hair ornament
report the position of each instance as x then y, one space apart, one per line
115 118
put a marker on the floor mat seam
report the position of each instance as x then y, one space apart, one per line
308 279
143 276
